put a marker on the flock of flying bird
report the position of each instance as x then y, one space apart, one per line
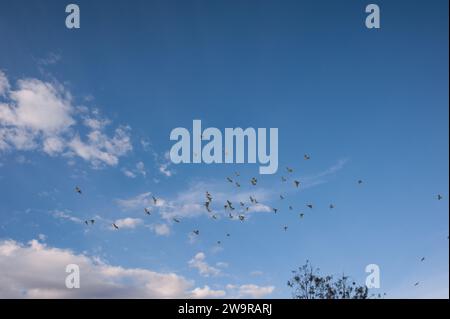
230 207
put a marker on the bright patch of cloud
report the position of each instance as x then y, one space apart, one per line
250 291
35 270
128 222
199 263
39 115
160 229
206 292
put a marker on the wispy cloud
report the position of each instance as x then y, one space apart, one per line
39 115
204 269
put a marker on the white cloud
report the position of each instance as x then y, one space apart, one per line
139 169
39 115
199 263
250 290
64 215
100 149
4 83
206 292
139 202
164 169
128 222
39 107
160 229
128 173
35 270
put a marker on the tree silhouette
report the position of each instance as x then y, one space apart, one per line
307 283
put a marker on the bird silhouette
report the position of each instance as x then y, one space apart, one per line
360 181
155 200
176 220
285 228
147 211
290 170
230 205
237 184
301 215
439 197
78 190
296 183
275 210
196 232
422 259
309 206
306 157
230 180
281 197
253 181
290 208
241 218
331 206
115 226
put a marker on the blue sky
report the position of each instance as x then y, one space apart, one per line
94 107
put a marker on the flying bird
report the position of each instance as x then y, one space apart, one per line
214 216
285 228
297 183
115 226
155 200
416 284
241 218
237 184
439 197
422 259
360 181
230 180
281 197
207 207
230 205
306 157
242 204
331 206
78 190
302 215
290 207
309 206
197 232
253 181
176 220
290 170
275 210
147 211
